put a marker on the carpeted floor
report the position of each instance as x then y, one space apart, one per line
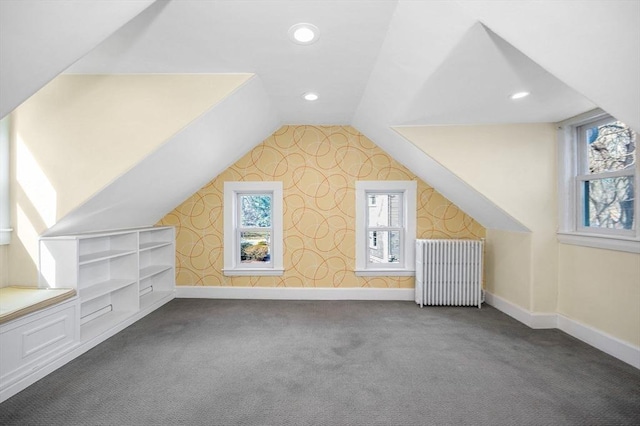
225 362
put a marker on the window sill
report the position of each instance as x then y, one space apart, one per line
385 272
607 242
255 272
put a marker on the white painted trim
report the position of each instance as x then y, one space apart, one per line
409 188
231 261
74 351
388 272
590 335
569 177
630 245
253 272
530 319
294 293
601 340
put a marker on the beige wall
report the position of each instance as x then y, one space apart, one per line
515 167
318 166
601 288
508 264
80 132
4 265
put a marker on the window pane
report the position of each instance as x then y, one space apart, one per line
608 203
255 247
611 146
387 247
255 211
385 210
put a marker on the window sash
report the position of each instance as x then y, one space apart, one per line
406 265
380 229
233 266
258 229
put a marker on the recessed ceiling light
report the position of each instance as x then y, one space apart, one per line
310 96
519 95
304 33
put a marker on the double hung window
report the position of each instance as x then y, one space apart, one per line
385 227
598 183
253 228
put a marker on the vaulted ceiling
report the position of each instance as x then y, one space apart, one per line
377 65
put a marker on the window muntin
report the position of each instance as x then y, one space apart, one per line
253 228
606 177
385 228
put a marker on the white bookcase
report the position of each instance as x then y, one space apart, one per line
156 271
119 275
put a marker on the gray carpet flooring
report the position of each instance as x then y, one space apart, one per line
225 362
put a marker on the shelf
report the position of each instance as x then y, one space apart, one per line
103 255
151 298
153 245
103 323
105 287
152 270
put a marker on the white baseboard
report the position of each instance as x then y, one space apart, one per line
592 336
531 319
600 340
294 293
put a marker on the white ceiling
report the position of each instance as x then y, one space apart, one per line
471 85
378 64
251 36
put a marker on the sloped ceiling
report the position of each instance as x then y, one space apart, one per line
40 39
376 65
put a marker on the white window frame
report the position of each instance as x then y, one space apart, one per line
571 154
406 267
5 209
232 264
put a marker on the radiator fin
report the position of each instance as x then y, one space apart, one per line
449 272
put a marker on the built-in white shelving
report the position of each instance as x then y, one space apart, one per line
117 274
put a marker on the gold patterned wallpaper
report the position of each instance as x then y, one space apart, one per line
318 166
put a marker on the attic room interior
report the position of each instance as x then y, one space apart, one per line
289 212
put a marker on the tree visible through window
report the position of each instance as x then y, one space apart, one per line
253 243
608 174
255 227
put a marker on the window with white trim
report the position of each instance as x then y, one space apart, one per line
5 218
253 228
385 228
599 183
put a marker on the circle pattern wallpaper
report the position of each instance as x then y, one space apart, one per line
318 166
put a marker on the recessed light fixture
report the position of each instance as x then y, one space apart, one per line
519 95
310 96
304 33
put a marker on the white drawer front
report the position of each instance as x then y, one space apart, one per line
29 343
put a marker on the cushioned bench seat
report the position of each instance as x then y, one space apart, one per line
19 301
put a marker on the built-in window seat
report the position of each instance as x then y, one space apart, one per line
16 302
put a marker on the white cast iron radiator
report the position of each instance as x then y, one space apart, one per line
449 272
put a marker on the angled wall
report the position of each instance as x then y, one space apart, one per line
513 166
81 132
39 39
318 167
